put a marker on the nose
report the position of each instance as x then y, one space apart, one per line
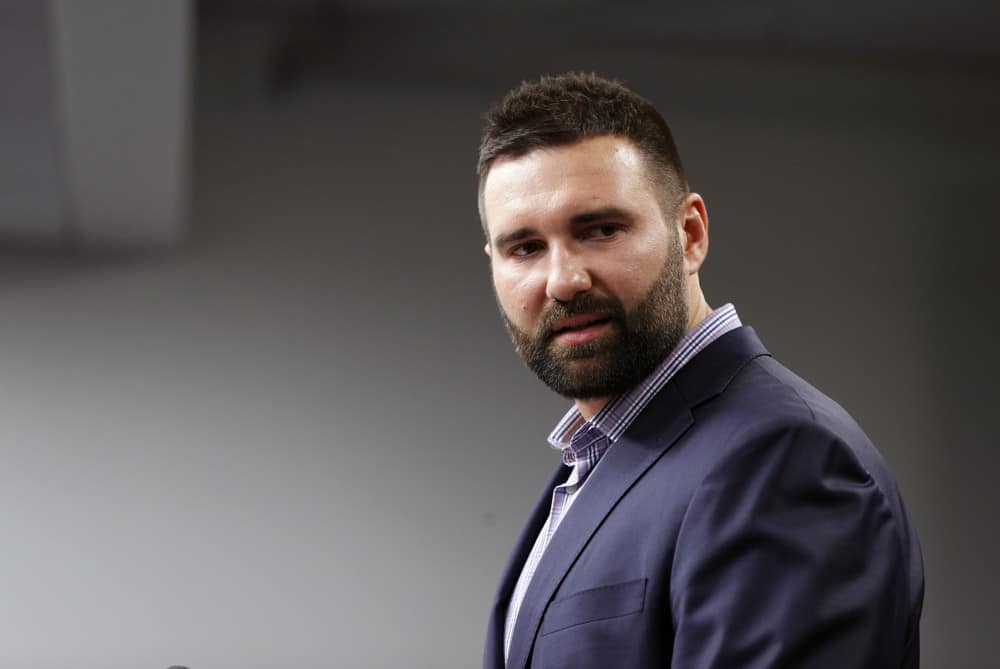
568 276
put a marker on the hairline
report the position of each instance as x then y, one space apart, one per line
673 182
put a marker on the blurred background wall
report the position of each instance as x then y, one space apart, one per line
258 409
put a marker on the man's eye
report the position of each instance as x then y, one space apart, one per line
525 249
604 231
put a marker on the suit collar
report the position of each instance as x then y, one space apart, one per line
667 417
708 373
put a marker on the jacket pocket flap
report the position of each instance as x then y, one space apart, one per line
607 601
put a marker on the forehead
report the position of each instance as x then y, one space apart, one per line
560 181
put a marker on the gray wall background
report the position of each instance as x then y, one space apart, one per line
303 439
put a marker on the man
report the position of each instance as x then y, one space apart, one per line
712 509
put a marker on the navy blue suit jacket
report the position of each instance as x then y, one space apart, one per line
743 521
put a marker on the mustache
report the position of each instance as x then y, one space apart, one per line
606 307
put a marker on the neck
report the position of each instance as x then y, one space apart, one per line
699 311
591 406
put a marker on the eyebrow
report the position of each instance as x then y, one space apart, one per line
583 218
602 214
510 237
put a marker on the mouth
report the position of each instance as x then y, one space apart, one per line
580 329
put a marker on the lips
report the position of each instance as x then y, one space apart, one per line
578 323
580 329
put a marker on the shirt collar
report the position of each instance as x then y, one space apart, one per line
615 417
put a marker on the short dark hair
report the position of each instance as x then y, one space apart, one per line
561 110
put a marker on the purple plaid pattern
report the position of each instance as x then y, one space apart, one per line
583 442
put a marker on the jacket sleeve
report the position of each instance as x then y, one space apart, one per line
788 556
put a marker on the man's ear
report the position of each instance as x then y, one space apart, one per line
694 232
487 250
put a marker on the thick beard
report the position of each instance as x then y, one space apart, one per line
615 363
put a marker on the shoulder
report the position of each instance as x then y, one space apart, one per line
795 518
766 432
768 410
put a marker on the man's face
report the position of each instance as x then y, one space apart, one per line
588 270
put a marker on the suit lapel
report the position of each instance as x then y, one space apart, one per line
645 441
493 654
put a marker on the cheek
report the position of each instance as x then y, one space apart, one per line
636 272
518 296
